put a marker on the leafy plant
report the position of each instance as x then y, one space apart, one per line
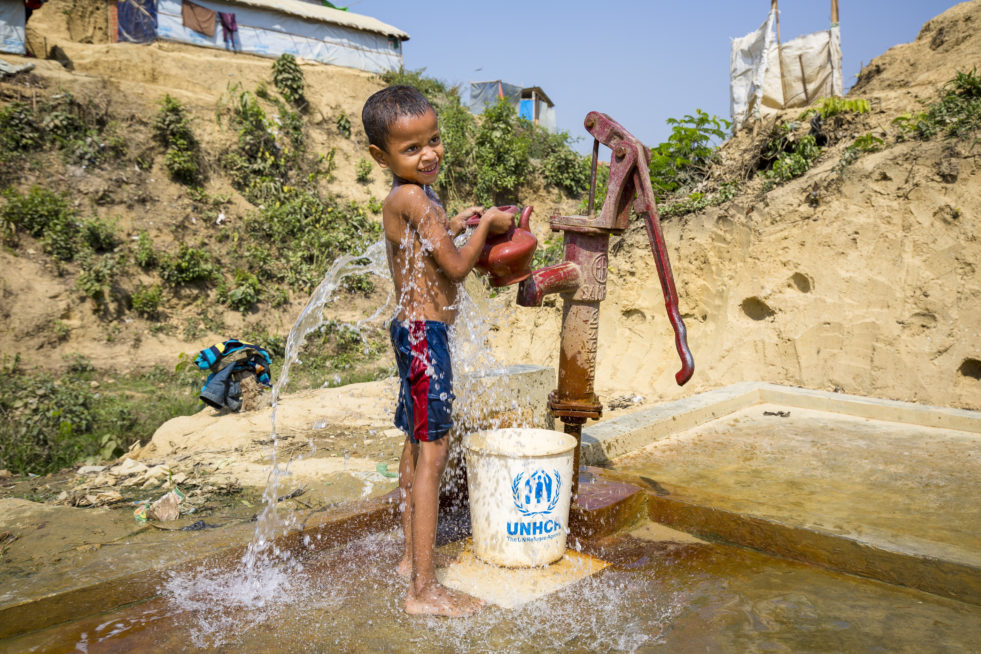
790 154
697 201
146 256
686 157
172 128
501 154
97 276
288 79
363 170
244 292
564 167
833 106
458 132
99 235
146 300
343 123
957 113
189 265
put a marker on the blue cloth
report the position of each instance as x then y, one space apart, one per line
222 391
425 404
137 20
223 360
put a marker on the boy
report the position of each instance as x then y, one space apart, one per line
426 267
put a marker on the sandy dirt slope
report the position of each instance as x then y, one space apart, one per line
875 290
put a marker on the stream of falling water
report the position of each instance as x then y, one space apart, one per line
268 577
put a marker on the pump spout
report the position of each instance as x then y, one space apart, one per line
563 277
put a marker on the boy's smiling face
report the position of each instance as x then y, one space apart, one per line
413 149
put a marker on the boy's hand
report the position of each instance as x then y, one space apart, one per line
500 221
459 222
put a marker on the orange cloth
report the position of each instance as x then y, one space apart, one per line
198 18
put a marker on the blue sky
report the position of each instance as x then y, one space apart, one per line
639 62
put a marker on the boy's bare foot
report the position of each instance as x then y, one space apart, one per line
440 600
440 560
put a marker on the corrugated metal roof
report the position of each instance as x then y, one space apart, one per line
326 15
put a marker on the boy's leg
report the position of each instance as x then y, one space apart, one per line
407 466
426 595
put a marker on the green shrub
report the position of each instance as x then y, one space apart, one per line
258 165
501 155
956 114
363 170
172 128
288 79
458 131
564 167
97 276
146 300
361 283
244 292
436 91
43 215
789 154
20 130
34 211
343 123
52 421
304 233
146 256
46 420
686 157
99 235
189 265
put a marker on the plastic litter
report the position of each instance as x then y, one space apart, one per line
167 507
382 468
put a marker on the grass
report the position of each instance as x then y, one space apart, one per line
83 415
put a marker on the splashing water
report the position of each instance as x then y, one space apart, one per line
270 577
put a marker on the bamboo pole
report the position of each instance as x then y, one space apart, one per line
834 12
783 82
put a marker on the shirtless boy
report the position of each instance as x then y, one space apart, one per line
427 268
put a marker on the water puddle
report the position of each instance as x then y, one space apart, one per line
656 596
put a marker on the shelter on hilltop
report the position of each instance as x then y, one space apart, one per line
766 76
531 102
304 29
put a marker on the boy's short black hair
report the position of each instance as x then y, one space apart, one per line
383 108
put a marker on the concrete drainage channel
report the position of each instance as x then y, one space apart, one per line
885 490
877 488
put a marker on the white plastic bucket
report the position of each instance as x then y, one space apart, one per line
520 482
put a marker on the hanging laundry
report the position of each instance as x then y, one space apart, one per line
198 18
228 28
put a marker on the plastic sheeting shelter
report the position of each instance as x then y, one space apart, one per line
531 102
12 20
766 76
272 27
137 21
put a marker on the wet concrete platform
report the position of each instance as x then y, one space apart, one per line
881 489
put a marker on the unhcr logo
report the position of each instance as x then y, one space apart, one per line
536 494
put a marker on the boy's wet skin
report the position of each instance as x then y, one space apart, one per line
426 268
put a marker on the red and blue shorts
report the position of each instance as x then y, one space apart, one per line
422 352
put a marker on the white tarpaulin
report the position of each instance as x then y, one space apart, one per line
747 70
792 74
266 31
12 27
